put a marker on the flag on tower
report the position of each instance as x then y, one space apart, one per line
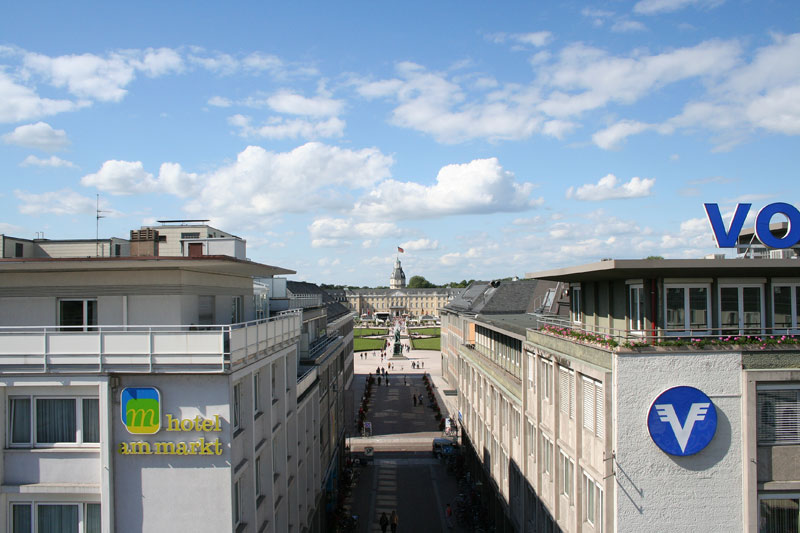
401 250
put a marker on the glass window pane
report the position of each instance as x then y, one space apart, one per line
57 518
91 420
91 313
55 420
782 298
70 313
698 305
751 306
21 519
20 420
675 309
779 516
92 518
729 306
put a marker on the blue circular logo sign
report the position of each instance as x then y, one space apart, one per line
682 421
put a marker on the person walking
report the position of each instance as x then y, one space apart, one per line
379 381
384 522
415 399
394 520
448 516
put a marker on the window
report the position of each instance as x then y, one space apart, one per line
547 379
636 308
256 392
531 440
77 315
547 455
786 307
566 391
55 517
779 513
687 309
778 417
593 406
567 470
45 422
237 312
740 310
575 303
258 476
588 499
237 392
531 365
195 235
273 378
237 502
18 249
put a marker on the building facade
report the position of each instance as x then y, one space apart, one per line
569 422
145 394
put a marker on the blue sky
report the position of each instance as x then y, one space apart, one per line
488 140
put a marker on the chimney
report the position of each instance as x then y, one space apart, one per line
144 242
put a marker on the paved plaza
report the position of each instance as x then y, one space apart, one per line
402 475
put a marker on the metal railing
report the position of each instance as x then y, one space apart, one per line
702 335
302 301
153 348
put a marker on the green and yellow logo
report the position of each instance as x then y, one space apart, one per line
141 410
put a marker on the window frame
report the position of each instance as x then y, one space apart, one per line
794 302
575 304
636 327
547 380
33 441
741 329
760 425
236 408
256 393
687 318
86 325
567 468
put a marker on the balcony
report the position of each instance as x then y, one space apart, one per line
145 349
302 301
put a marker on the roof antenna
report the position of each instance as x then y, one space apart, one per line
97 227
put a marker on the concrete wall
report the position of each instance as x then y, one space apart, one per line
172 493
657 491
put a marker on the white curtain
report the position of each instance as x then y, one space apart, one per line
55 420
20 420
57 518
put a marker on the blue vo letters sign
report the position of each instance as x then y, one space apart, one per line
682 421
727 239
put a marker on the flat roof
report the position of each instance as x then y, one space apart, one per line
221 264
677 268
513 323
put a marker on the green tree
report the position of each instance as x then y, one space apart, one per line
650 257
419 282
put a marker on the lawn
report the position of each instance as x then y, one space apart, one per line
433 343
363 345
426 331
366 332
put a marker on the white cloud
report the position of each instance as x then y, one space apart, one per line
280 128
330 231
295 104
219 101
121 178
432 103
607 189
626 26
18 102
538 39
777 111
653 7
51 161
63 202
478 187
261 183
41 136
420 245
85 75
610 137
157 62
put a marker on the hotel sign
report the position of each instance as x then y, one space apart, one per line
727 238
141 415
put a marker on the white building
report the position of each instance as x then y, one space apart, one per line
140 395
569 425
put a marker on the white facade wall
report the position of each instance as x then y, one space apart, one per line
701 492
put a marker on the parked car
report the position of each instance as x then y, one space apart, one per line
444 447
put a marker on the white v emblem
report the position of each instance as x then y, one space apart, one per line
697 411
